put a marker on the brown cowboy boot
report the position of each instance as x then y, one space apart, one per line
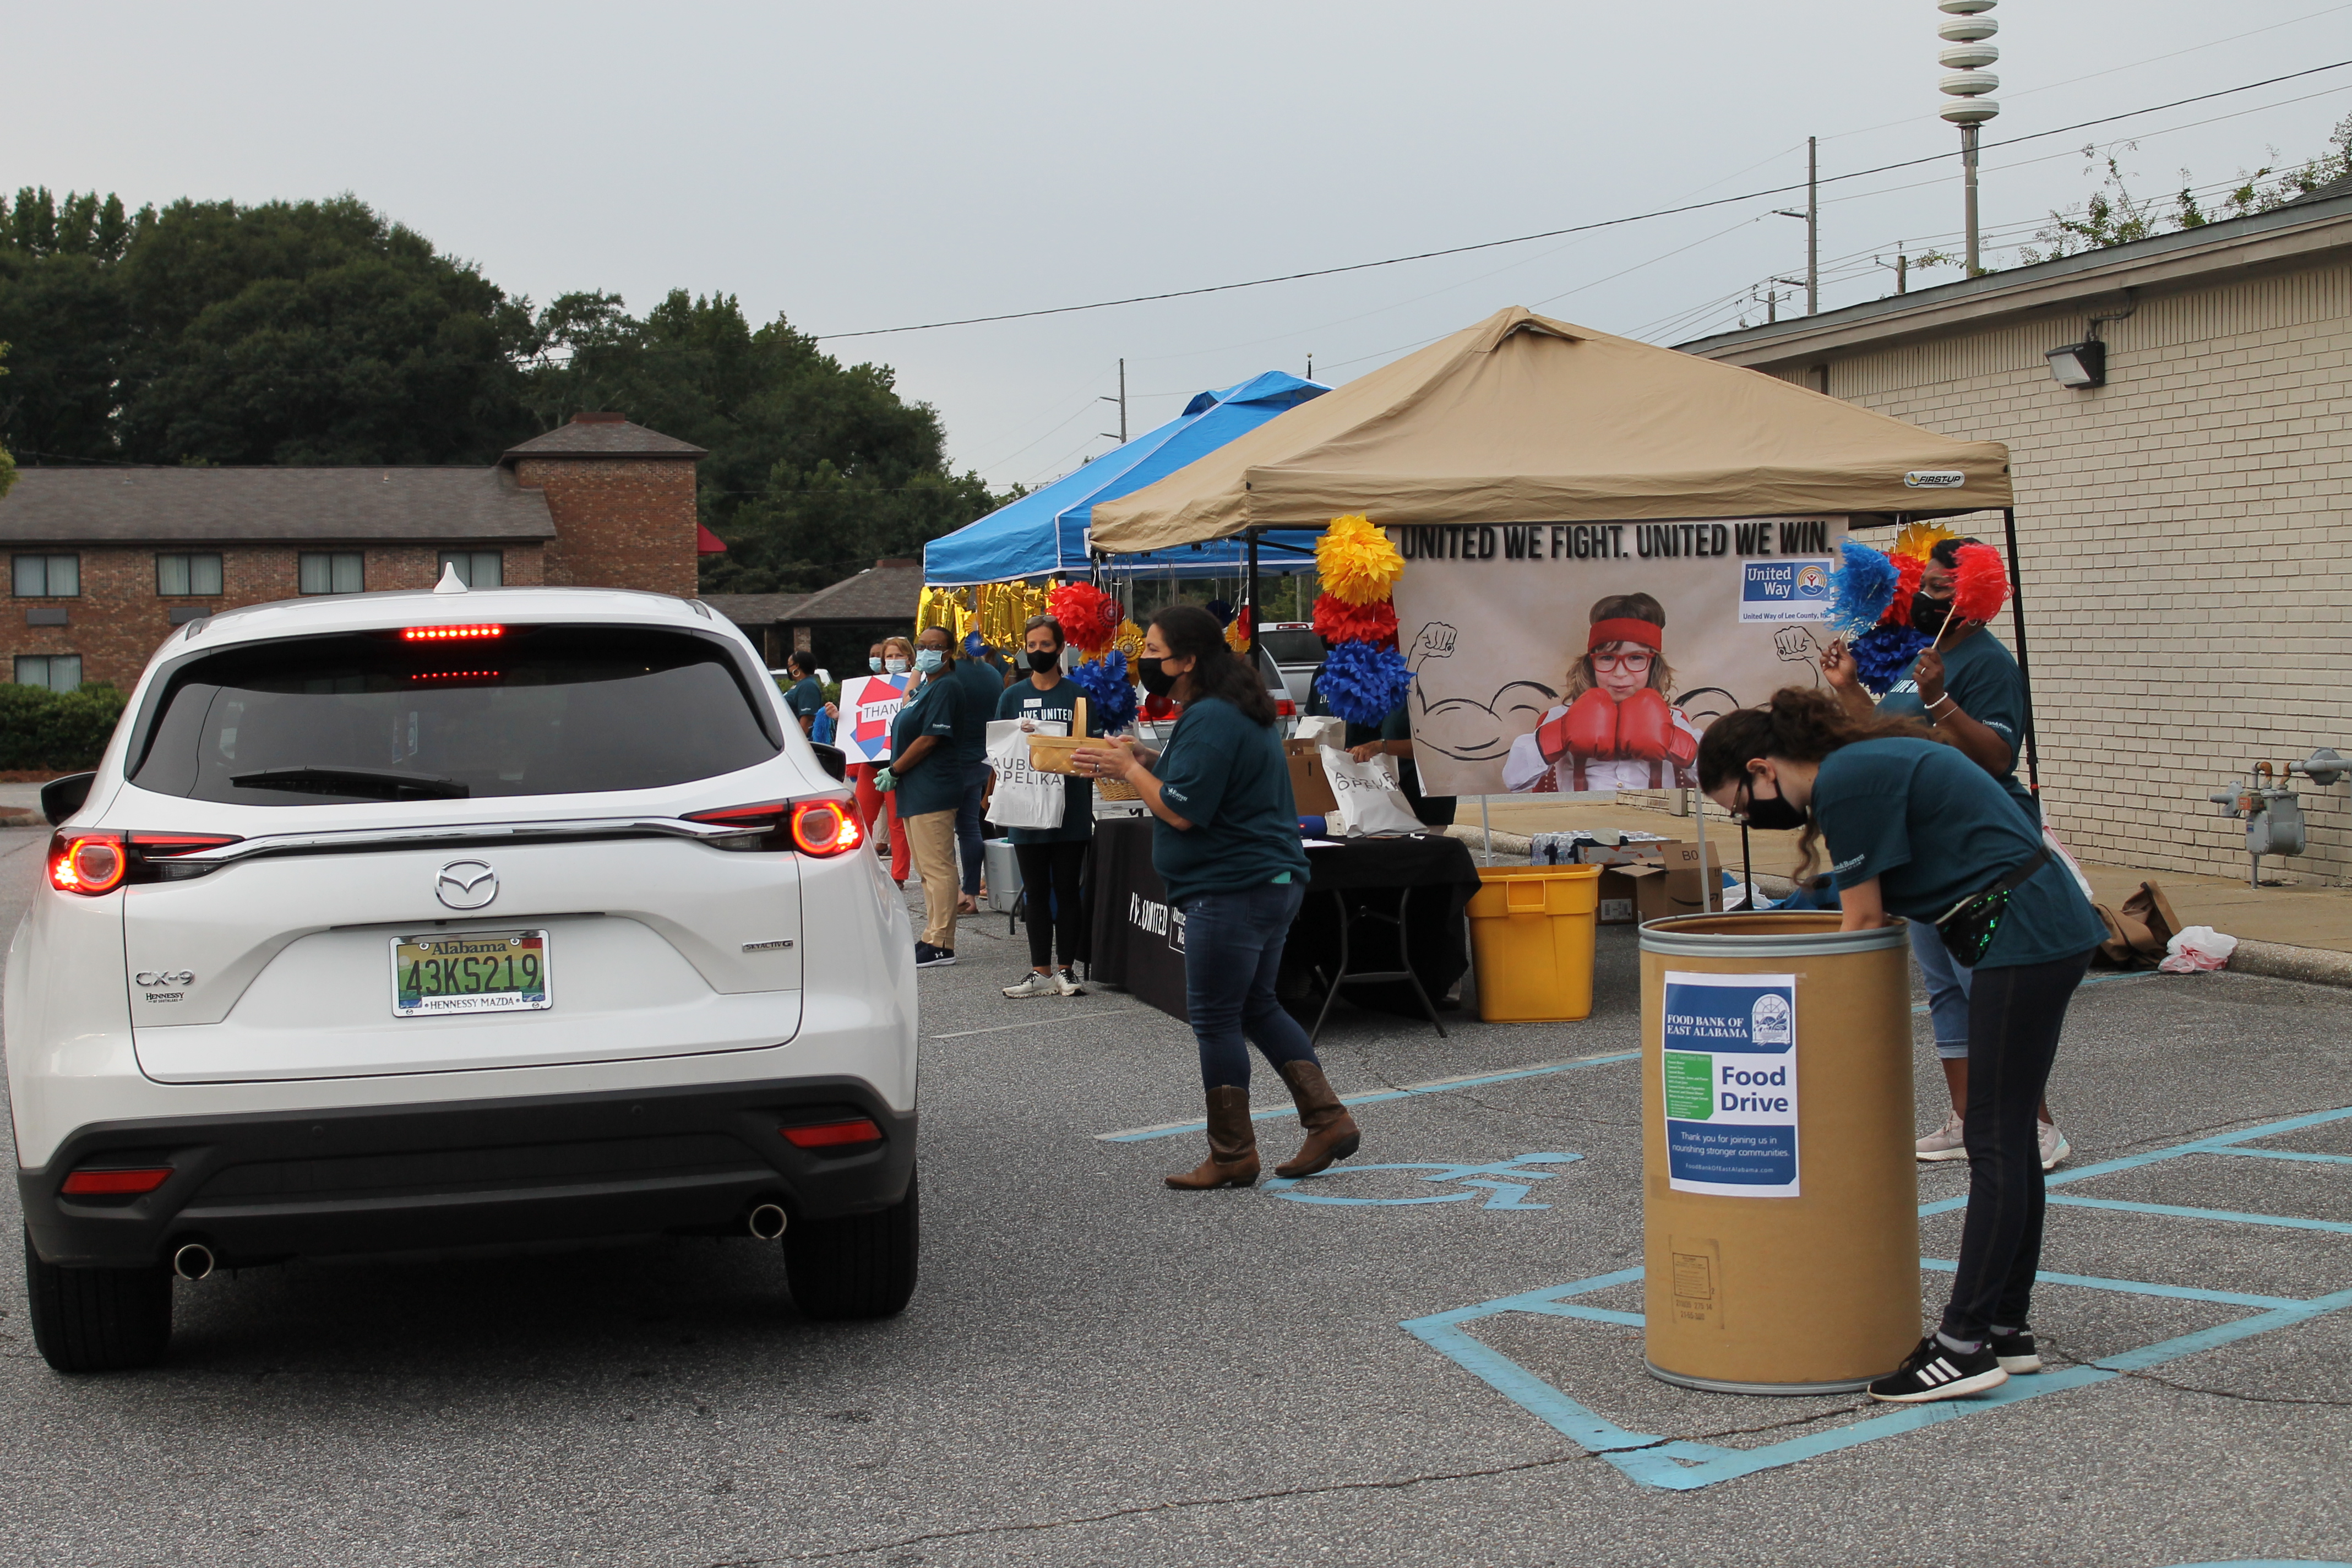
1331 1132
1232 1145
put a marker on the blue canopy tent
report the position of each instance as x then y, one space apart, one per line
1045 532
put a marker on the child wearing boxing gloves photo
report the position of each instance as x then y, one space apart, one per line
1615 730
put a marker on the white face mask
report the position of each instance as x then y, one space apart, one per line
895 666
875 664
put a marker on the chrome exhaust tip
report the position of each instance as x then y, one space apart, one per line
193 1261
767 1222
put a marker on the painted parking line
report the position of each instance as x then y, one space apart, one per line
1435 1086
1505 1181
1045 1021
1679 1465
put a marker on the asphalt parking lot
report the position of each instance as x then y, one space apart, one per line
1438 1370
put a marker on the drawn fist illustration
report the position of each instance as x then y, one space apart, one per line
1436 641
1795 644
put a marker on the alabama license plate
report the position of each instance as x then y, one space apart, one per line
476 971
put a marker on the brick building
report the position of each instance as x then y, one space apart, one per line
104 562
2185 526
837 623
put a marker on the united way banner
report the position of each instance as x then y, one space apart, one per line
1729 1066
1495 620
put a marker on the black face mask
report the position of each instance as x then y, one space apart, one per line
1042 662
1775 814
1156 680
1928 616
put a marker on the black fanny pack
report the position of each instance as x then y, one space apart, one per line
1968 927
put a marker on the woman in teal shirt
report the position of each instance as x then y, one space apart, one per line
1225 842
1916 829
1051 859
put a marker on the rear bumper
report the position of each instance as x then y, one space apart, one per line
268 1186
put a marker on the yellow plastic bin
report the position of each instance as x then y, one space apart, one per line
1531 939
1779 1200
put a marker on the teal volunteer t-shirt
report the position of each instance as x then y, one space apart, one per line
936 781
977 686
1984 681
806 699
1934 828
1022 700
1226 776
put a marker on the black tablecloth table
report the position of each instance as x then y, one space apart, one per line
1137 939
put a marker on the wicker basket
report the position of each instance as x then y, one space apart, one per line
1052 754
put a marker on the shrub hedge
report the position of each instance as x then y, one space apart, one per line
58 731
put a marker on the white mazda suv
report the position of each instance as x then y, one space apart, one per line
418 921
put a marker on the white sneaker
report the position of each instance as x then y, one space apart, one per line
2054 1147
1034 984
1067 982
1944 1142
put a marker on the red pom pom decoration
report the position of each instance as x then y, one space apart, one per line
1980 583
1907 569
1089 616
1338 621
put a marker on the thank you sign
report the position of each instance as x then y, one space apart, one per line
1730 1067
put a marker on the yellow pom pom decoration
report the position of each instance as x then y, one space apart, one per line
1356 561
1920 539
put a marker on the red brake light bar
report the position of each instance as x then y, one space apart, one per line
833 1134
96 863
449 633
822 828
93 1183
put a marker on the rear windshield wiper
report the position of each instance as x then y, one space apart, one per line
383 784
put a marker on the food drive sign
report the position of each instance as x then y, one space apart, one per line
1730 1067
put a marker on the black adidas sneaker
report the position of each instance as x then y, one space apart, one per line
1933 1371
2016 1352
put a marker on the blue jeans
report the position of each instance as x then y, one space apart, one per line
975 791
1233 948
1948 991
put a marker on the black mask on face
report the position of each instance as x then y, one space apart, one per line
1928 616
1042 662
1156 679
1775 814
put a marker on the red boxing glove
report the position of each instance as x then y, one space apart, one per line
1589 729
1646 728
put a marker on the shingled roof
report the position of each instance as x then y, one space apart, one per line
602 436
755 609
139 505
886 591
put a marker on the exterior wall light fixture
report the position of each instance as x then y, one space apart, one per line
2082 366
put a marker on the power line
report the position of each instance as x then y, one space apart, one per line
1573 228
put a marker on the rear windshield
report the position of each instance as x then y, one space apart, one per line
1292 648
538 711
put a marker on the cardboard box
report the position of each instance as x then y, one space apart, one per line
1650 882
1308 787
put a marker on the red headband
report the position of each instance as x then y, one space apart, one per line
1649 634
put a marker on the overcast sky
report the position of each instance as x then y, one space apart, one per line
852 167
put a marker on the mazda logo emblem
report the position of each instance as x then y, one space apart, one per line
465 884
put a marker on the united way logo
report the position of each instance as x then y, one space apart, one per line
1812 582
1768 1021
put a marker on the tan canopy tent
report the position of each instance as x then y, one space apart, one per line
1525 419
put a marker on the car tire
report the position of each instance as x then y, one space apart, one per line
861 1266
97 1320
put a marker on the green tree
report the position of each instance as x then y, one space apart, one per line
7 463
817 468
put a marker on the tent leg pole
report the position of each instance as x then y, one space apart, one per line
1710 897
1747 870
1249 594
1487 828
2017 631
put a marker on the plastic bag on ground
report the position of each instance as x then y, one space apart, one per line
2198 948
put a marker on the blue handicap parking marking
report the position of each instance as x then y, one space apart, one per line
1505 1181
1677 1465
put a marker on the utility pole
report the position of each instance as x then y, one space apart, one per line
1122 401
1812 218
1969 36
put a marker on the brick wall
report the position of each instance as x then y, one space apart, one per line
119 619
2186 543
621 522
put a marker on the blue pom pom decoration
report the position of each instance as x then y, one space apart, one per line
1886 655
1363 683
1861 589
973 644
1110 695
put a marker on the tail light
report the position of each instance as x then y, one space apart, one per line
822 828
450 634
1284 708
95 863
833 1134
102 1183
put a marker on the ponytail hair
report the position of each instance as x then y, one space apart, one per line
1797 725
1217 670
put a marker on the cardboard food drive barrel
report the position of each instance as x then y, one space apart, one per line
1780 1195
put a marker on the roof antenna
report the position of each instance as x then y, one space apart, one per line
450 581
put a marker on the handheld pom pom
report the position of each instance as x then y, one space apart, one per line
1859 589
1907 570
1338 621
1920 539
1357 561
1110 696
1886 655
1980 583
1363 684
